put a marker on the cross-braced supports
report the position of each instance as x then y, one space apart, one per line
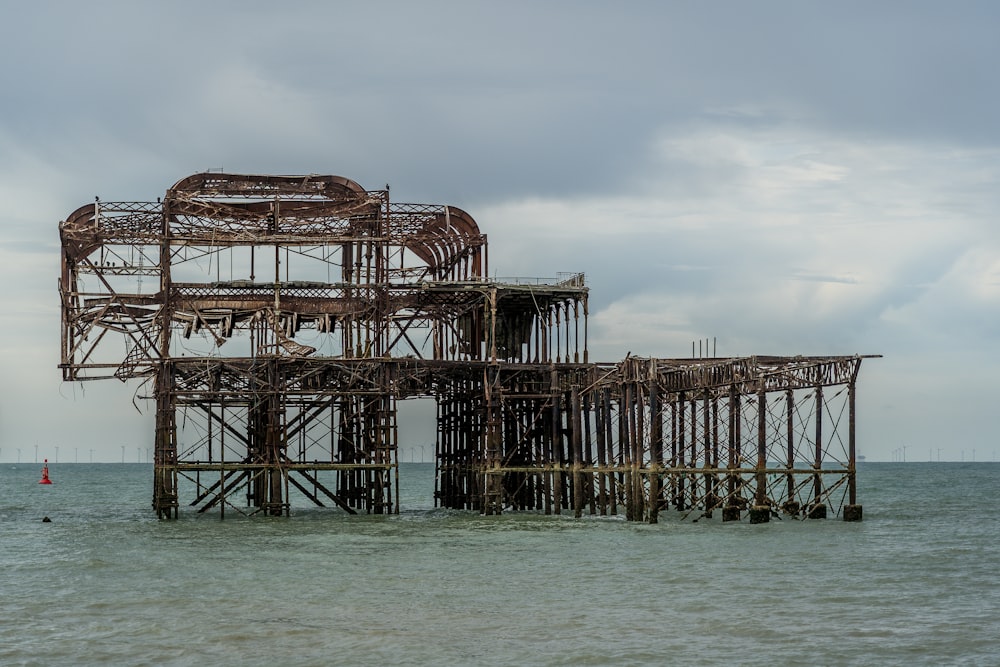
243 431
768 437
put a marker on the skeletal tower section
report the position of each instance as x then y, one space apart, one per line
278 319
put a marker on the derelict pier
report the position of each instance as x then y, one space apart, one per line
276 322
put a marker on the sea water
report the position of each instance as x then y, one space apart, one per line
106 583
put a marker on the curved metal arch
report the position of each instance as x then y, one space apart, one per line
212 184
446 239
78 232
243 203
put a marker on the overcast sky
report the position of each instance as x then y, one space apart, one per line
788 177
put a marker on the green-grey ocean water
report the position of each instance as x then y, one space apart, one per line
917 582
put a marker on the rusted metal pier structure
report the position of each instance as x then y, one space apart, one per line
276 322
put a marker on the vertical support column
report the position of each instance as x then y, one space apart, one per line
639 439
347 277
588 452
693 460
545 446
634 505
535 416
264 488
613 460
369 295
165 500
557 332
515 449
671 498
276 504
440 479
712 458
817 510
576 436
706 447
493 482
346 451
681 409
761 511
383 316
381 417
545 326
473 417
791 506
655 449
627 450
557 447
566 317
491 330
600 426
731 511
576 332
222 471
852 511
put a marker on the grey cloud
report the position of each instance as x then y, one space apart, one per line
807 276
478 101
588 105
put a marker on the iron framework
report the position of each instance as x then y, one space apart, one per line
278 320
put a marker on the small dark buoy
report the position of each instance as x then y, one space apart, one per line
46 520
45 474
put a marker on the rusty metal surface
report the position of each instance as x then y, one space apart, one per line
275 321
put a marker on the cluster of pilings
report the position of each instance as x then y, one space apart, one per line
252 428
764 436
333 303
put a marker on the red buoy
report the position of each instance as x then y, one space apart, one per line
45 474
